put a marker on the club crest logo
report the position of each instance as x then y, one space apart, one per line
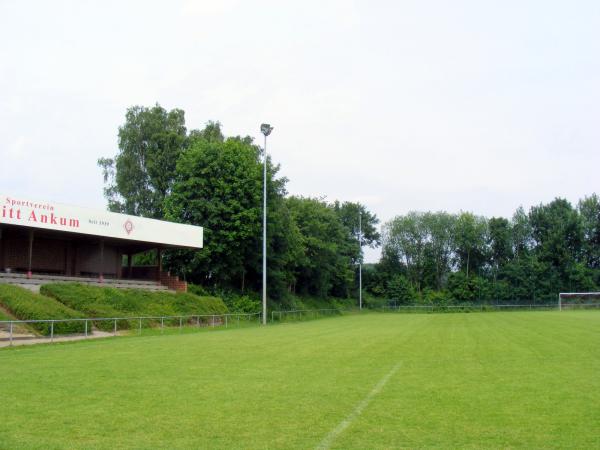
128 226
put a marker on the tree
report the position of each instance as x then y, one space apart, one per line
558 234
440 228
522 240
589 211
401 291
141 175
405 237
470 239
325 266
219 186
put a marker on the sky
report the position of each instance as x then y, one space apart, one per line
479 105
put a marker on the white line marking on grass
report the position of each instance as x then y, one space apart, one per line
333 434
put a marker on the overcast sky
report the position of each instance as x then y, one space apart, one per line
403 105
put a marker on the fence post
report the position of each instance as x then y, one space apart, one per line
180 323
198 321
213 321
162 324
52 331
115 328
86 331
226 321
11 334
238 320
140 326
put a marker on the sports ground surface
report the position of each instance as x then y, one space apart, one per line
479 380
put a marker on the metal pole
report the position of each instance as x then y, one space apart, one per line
264 271
115 328
360 260
86 328
140 326
226 324
52 331
11 334
162 324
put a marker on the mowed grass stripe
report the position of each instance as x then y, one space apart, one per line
467 380
492 380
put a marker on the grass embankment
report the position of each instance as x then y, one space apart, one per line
496 380
25 305
110 302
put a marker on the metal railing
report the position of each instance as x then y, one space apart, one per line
86 327
485 307
303 314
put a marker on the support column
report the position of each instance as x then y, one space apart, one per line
129 265
101 261
30 255
158 263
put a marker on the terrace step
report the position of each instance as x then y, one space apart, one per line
35 281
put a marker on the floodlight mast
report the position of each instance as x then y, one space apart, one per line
265 129
360 260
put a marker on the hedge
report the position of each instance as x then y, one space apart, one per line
25 305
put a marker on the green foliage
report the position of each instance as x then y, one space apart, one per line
197 289
324 267
401 291
96 301
529 258
25 305
589 211
141 175
244 304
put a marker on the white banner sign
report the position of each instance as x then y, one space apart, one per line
55 216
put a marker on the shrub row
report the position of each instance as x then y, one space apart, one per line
96 301
25 305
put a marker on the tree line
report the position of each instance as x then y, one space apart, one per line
440 258
201 177
204 178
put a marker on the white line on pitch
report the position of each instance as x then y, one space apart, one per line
326 443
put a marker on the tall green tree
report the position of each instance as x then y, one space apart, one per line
558 235
470 240
141 175
325 266
589 211
219 186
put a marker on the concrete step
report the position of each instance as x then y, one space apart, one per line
34 283
66 279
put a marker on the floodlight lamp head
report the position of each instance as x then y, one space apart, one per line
266 129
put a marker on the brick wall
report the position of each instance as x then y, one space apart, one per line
173 282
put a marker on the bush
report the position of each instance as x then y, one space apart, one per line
25 305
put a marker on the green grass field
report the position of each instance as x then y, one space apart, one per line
481 380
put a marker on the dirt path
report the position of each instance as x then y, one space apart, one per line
30 339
